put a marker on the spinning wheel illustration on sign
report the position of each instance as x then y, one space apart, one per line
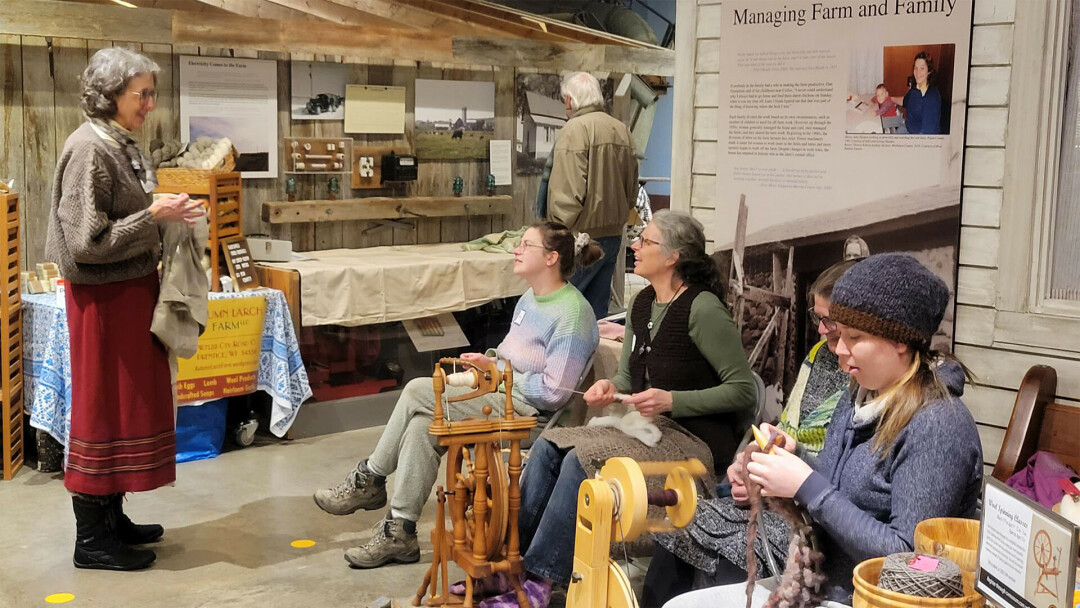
1043 552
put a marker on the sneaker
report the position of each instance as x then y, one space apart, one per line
391 543
361 489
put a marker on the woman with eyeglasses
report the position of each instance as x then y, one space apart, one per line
682 366
552 335
104 235
901 446
712 550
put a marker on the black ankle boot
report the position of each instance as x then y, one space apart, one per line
96 544
132 533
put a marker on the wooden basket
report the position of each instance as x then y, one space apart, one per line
192 181
869 595
952 537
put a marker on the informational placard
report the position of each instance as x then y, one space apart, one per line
500 160
435 333
234 98
241 266
374 109
842 119
1027 554
227 360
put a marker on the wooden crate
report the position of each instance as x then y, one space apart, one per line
11 378
223 194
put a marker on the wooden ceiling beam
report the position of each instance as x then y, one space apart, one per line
339 13
563 29
505 24
255 8
444 22
96 22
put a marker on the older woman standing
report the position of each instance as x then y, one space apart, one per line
103 233
683 362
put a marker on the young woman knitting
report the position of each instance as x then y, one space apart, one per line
901 447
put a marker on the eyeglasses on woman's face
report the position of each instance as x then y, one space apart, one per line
146 95
817 319
526 244
642 241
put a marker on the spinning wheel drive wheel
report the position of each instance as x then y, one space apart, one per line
460 462
1040 549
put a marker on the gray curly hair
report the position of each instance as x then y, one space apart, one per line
108 74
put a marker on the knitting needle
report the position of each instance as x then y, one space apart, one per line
620 397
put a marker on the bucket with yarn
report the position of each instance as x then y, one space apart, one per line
870 594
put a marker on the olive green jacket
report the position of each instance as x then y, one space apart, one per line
594 174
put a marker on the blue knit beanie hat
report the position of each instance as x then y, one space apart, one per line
893 296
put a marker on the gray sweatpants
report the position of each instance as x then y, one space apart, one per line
407 449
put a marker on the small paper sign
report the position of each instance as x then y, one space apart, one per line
924 563
241 266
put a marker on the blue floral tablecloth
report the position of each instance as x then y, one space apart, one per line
47 363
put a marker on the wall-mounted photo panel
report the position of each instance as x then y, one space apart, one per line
318 91
841 128
234 98
455 119
540 114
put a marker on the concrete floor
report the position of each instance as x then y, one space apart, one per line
229 522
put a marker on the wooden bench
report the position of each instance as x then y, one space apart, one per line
1038 423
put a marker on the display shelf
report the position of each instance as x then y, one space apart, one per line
385 208
11 378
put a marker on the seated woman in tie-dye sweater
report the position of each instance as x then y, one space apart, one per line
552 335
712 550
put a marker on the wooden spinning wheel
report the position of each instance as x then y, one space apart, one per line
1042 550
482 491
496 519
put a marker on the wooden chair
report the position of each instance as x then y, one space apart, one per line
1038 423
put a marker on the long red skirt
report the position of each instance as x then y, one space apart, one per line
122 435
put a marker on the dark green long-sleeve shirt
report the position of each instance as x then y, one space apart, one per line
713 332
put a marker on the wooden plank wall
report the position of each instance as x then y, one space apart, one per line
999 370
39 95
706 103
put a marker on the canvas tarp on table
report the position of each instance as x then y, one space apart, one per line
381 284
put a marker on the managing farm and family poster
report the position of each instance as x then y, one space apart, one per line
839 120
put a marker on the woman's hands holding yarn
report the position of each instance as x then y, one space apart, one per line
477 360
650 402
770 430
600 394
739 493
176 208
779 474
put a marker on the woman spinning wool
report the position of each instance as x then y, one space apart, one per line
103 233
683 362
901 447
552 336
712 549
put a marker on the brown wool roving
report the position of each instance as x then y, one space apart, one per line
802 583
897 575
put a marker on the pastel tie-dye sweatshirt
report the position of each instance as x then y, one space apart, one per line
550 341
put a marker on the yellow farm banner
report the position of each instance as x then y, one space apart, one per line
228 357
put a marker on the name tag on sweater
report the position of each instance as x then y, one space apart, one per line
519 317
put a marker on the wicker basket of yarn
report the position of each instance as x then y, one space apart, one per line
952 537
869 595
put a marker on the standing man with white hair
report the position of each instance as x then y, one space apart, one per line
593 183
